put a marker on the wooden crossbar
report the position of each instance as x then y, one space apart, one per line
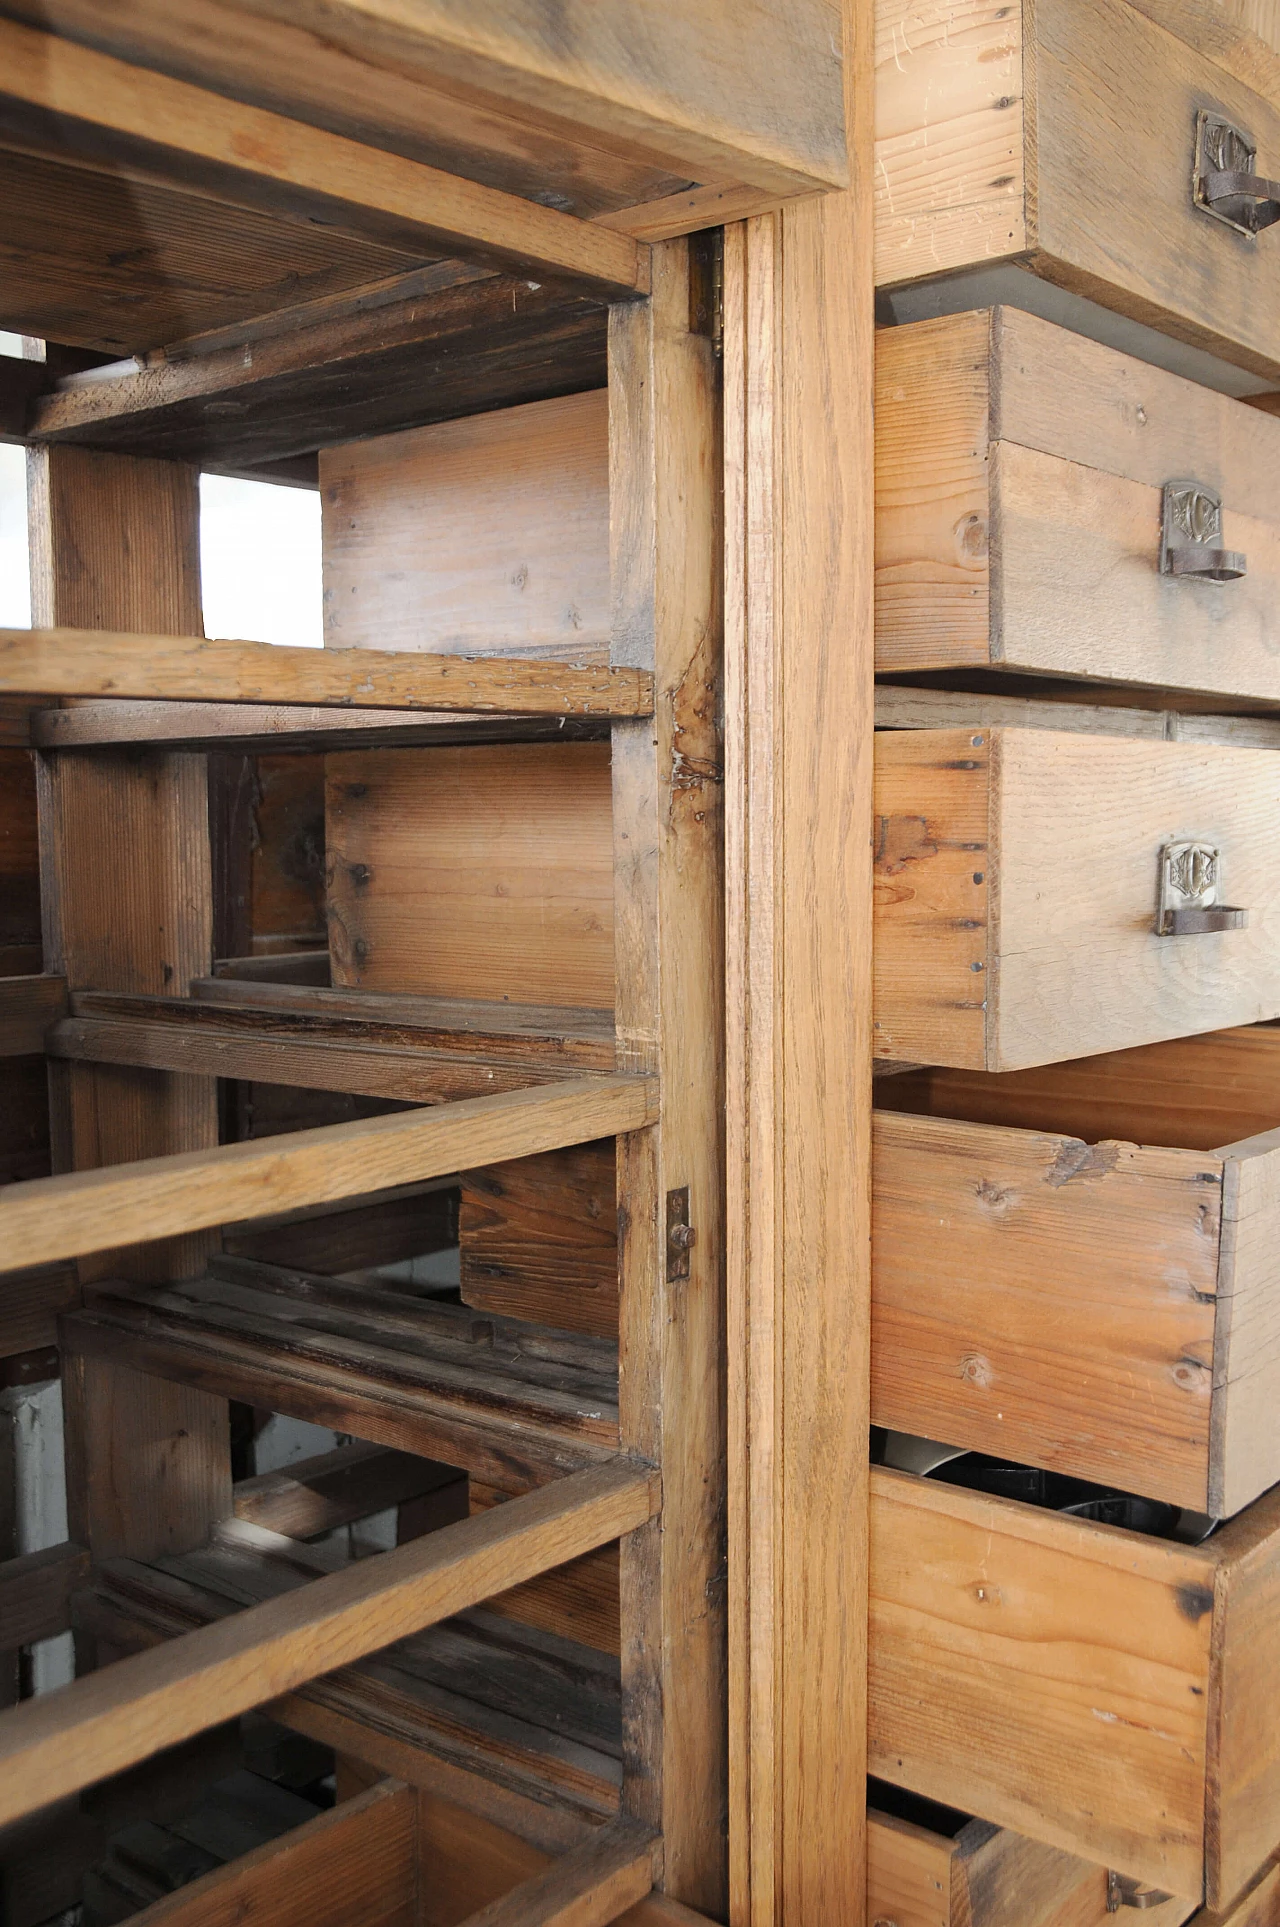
28 1006
54 1745
247 156
35 1594
589 1886
121 1204
105 662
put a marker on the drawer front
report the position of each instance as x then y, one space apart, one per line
1056 1252
1017 887
1066 132
982 1876
1107 1693
1020 486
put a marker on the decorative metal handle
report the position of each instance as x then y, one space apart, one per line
1191 535
1226 183
1188 906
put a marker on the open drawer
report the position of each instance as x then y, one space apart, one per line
928 1866
1106 1692
1110 1302
1042 894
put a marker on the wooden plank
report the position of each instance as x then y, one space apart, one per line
315 1495
1242 1793
416 348
321 1063
1260 1907
89 1211
798 378
115 544
28 1006
1047 1671
263 727
353 1867
539 1239
487 533
102 662
247 156
52 1746
481 872
590 1886
35 1594
1240 36
562 105
666 537
29 1305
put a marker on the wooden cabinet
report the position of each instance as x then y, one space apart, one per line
1105 1308
1064 135
1099 1690
1019 891
1023 476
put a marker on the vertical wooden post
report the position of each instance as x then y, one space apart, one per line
667 800
128 905
798 501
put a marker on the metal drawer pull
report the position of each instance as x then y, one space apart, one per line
1124 1891
1191 535
1226 183
1190 874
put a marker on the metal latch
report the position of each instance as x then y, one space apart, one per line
681 1236
1190 877
1225 183
1191 535
1124 1891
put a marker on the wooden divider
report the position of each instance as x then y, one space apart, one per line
51 1746
90 1211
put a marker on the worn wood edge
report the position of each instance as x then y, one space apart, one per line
35 1594
29 1006
101 662
590 1886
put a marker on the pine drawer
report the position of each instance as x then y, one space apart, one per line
947 1870
1108 1308
1107 1693
1062 134
1017 893
1022 478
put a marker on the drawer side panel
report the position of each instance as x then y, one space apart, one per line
1057 1253
1243 1795
1052 1679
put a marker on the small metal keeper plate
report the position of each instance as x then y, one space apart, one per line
1222 148
1190 879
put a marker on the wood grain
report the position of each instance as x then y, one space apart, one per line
102 662
91 1211
667 861
35 1594
482 872
355 1865
248 156
53 1746
591 1885
1049 1673
488 533
799 570
1243 1793
28 1007
1056 1251
599 106
539 1239
312 1496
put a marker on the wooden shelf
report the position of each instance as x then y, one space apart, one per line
516 1405
274 727
516 1718
101 662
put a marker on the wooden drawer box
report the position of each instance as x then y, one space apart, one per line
946 1870
1106 1308
1063 135
1105 1692
1018 886
1021 479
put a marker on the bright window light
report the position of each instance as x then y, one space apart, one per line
260 561
15 570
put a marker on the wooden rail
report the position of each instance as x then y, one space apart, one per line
120 1204
52 1746
159 128
28 1006
588 1887
35 1594
105 662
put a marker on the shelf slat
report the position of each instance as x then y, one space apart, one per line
121 1204
53 1746
105 662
